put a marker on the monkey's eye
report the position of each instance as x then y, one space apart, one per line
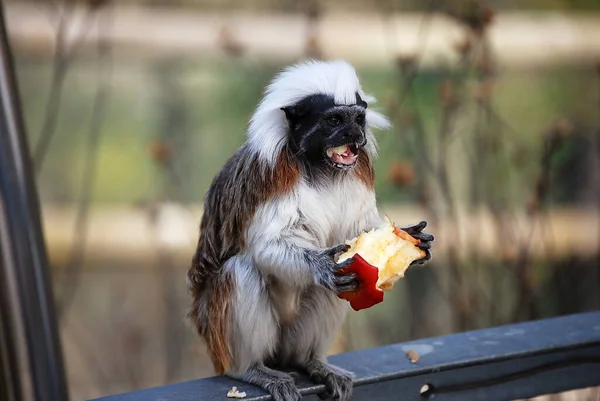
334 120
360 119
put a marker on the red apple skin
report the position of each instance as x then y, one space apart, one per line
367 294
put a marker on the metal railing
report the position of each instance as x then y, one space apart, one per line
503 363
31 366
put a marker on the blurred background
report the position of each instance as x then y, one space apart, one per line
133 106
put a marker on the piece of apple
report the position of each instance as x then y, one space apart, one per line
366 294
382 256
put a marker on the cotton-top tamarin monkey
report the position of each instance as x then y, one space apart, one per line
264 278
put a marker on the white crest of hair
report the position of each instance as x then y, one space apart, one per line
267 131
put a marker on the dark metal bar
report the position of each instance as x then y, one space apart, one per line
502 363
31 366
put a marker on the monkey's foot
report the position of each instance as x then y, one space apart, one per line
280 385
426 239
338 382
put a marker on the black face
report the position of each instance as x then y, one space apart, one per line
325 133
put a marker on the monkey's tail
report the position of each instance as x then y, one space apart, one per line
210 313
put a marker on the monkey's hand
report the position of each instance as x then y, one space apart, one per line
426 239
327 271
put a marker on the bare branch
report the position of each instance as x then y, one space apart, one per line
64 57
88 177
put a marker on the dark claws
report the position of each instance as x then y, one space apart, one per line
284 390
347 287
338 387
295 376
416 229
330 385
327 272
346 278
424 237
346 282
338 384
344 264
338 249
416 232
423 259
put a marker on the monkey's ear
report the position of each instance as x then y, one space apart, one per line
289 112
360 102
293 113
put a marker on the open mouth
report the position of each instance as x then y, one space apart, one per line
343 156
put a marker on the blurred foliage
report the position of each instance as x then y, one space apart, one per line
203 108
348 5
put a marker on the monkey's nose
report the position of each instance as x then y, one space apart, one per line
352 136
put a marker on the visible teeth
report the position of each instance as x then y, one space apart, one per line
337 150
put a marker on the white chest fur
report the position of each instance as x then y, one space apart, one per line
317 216
337 212
312 217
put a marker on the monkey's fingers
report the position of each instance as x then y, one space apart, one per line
345 263
424 237
346 287
295 376
424 259
346 282
424 245
338 249
338 386
416 229
283 390
346 278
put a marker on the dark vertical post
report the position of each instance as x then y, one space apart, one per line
31 366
